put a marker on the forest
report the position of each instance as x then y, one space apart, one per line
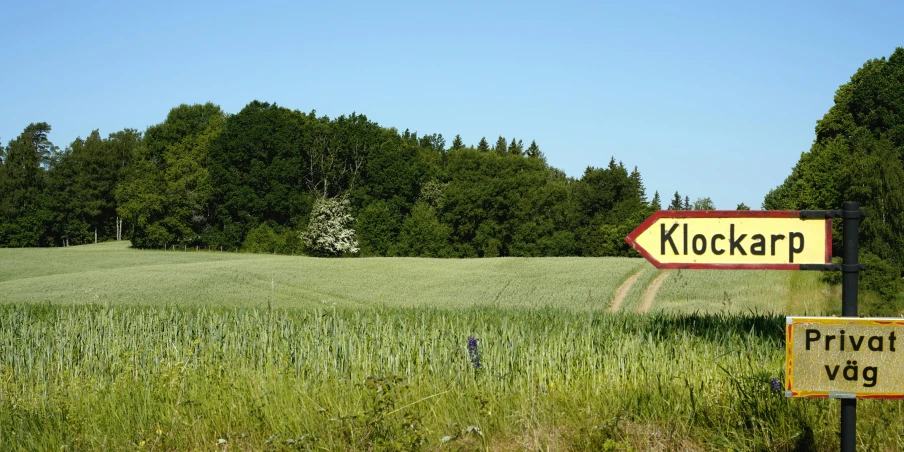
276 180
251 180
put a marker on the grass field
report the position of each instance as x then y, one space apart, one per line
112 273
784 292
107 348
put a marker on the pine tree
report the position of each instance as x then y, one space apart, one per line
638 182
656 203
501 145
533 151
457 143
676 203
687 203
483 146
515 147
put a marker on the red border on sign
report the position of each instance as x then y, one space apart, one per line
642 227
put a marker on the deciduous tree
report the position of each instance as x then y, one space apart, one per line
704 204
858 155
330 231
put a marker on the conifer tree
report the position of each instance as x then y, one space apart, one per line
457 143
656 203
687 203
483 146
638 182
501 145
533 151
515 147
676 203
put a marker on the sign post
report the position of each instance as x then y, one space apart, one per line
792 240
849 286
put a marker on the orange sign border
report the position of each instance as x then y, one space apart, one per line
792 321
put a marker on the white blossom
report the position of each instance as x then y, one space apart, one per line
330 231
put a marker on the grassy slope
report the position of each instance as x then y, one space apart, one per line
113 273
780 292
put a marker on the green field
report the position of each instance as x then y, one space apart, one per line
112 273
107 348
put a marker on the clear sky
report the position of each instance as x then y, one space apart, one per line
710 99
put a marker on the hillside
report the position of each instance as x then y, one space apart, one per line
113 273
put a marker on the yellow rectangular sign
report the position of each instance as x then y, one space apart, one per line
845 357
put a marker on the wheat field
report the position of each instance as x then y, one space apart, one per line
109 348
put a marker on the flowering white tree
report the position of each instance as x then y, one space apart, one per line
330 231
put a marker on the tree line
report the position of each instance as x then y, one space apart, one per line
260 180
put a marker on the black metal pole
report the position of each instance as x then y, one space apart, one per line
849 282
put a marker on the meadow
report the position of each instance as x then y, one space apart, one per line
114 273
109 348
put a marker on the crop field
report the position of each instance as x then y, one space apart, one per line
112 273
785 292
108 348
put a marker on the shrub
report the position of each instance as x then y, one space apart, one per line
330 231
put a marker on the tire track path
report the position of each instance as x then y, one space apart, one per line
650 295
623 289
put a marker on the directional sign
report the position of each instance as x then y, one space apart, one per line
733 239
842 357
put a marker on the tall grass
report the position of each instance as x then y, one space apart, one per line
781 292
203 378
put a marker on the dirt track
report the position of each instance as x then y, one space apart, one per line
623 289
650 295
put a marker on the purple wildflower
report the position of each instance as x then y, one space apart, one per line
473 352
776 385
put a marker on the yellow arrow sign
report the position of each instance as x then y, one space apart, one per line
733 239
845 357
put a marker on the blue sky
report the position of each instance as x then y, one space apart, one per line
705 98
